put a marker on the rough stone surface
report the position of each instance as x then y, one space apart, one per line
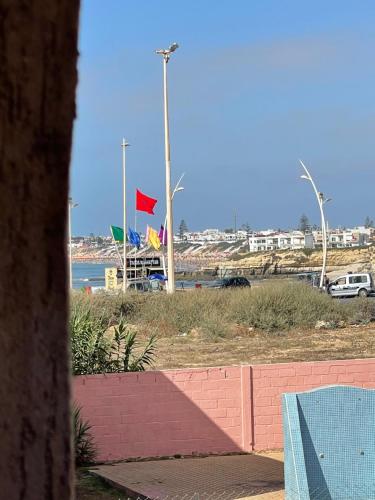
38 51
339 261
224 478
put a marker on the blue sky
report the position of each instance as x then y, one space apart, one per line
254 86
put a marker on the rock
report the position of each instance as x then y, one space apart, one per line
340 260
195 333
323 325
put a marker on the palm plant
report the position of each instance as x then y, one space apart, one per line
94 352
85 449
89 346
124 358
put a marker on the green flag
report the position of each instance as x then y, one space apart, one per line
117 234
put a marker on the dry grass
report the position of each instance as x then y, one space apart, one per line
261 347
267 324
271 307
89 487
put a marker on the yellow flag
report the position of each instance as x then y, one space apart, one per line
152 238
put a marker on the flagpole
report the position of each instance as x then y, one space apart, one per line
124 145
117 250
135 248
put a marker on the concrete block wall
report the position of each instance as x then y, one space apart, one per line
210 410
163 413
270 381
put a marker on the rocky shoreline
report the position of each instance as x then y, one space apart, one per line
356 259
209 260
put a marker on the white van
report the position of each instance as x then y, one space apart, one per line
352 285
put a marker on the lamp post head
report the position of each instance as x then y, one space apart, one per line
305 177
181 188
324 200
166 53
71 203
173 47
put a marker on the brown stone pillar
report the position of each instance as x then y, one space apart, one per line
38 52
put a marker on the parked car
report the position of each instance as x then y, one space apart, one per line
352 285
139 285
235 282
311 278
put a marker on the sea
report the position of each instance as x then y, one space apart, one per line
93 275
88 274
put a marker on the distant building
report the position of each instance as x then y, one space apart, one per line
212 236
337 238
348 238
268 240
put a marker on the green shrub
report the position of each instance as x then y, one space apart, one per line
180 312
106 307
123 356
276 305
361 311
272 306
84 446
308 251
94 349
89 347
214 327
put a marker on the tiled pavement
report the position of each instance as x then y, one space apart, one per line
210 478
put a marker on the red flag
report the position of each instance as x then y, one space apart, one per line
145 203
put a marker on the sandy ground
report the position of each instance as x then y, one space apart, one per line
261 347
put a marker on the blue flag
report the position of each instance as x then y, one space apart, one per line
134 238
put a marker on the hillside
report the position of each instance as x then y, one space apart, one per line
226 255
343 259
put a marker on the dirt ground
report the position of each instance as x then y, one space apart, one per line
89 487
261 347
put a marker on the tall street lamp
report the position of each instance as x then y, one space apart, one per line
71 205
166 53
325 235
124 145
321 202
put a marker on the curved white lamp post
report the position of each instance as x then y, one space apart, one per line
177 189
321 201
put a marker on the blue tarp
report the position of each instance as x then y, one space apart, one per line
157 276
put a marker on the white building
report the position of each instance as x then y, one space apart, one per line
270 239
261 242
348 237
212 236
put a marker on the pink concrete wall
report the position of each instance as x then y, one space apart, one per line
163 413
270 381
212 410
